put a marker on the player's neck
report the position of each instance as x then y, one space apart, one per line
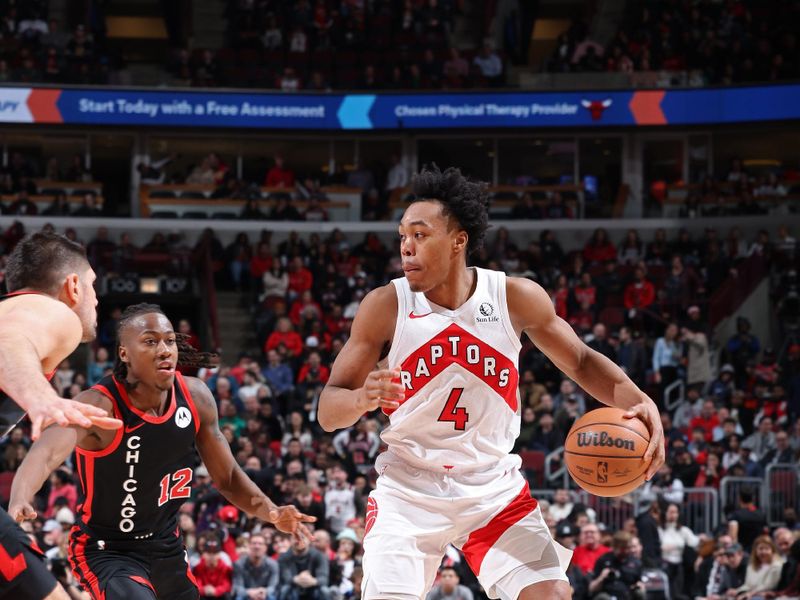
146 398
456 289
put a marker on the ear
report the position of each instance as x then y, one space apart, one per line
70 292
123 353
460 241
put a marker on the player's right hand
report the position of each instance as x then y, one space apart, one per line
382 389
61 411
21 511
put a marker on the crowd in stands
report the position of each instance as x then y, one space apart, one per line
715 43
639 303
37 49
322 45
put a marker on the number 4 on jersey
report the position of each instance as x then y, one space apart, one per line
180 486
451 412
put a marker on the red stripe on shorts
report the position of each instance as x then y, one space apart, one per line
481 540
143 581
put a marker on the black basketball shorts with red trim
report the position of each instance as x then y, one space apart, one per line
23 573
132 570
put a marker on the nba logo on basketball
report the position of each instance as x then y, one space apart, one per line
602 472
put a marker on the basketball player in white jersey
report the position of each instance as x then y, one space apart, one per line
451 393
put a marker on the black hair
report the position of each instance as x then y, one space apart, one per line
464 200
746 495
41 260
188 356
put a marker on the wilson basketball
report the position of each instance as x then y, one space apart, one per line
604 452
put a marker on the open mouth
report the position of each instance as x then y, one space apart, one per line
166 368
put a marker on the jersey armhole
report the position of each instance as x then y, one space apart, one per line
399 322
117 435
189 400
504 310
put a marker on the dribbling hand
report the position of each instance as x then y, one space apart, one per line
382 389
647 411
46 411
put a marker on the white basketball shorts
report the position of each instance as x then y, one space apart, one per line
413 514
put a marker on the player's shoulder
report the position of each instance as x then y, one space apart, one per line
380 301
522 286
197 388
38 307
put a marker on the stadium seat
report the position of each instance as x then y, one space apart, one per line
51 191
612 317
224 216
533 465
194 214
82 192
193 195
6 477
164 214
162 194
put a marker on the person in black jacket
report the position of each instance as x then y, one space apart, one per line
647 526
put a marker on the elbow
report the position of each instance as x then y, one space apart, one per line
324 418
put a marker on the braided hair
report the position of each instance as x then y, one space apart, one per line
188 356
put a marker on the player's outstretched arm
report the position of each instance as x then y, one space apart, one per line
48 453
532 311
29 336
354 387
229 478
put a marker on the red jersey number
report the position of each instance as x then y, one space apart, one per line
453 413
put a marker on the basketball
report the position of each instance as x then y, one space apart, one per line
604 452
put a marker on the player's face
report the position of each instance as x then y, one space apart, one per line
149 348
86 308
428 242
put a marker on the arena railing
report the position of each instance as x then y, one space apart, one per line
678 385
729 488
780 490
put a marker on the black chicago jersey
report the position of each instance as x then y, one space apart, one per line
134 488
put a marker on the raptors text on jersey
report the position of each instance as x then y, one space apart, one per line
459 371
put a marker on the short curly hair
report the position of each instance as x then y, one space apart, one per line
464 200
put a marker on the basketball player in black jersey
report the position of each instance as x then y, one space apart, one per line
125 544
49 310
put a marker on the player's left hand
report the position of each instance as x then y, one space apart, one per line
647 411
287 519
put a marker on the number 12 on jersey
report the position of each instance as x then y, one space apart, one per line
180 486
454 413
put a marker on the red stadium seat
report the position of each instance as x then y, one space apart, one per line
533 465
6 477
612 317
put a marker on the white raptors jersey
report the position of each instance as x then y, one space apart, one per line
459 370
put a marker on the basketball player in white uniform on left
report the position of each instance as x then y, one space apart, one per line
451 393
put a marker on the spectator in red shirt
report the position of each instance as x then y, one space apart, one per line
707 420
285 334
561 296
582 319
590 548
262 261
305 308
313 371
214 576
300 278
585 291
640 293
279 176
599 249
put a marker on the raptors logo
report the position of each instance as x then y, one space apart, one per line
372 514
596 107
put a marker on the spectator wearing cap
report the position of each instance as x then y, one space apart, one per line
214 576
347 548
449 587
723 386
726 572
255 576
51 535
747 522
590 549
304 572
